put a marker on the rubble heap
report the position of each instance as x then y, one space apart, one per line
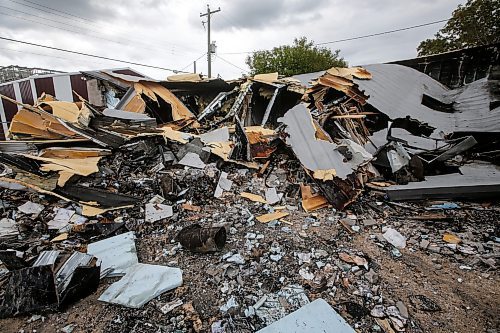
226 206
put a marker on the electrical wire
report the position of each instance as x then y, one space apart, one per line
91 22
91 55
357 37
230 63
183 68
75 26
53 56
383 33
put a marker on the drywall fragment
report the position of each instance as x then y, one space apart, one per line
218 135
8 228
142 283
317 316
192 160
118 253
395 238
272 196
224 184
156 212
61 219
31 208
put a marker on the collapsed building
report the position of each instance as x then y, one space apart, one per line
123 146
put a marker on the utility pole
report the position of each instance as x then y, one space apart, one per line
210 47
194 66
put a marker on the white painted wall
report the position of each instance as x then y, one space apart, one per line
33 90
3 119
17 93
62 88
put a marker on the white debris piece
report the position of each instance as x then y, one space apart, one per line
272 196
236 259
317 316
231 303
274 306
224 184
170 306
304 272
8 227
142 283
156 212
395 238
118 253
218 135
31 208
192 160
62 218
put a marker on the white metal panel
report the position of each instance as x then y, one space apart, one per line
17 93
33 90
3 119
62 88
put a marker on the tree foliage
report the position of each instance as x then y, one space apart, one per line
301 57
473 24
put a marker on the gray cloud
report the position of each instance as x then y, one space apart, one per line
168 33
244 14
24 15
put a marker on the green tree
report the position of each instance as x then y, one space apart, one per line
301 57
473 24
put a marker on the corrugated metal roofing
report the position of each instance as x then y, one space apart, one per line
397 91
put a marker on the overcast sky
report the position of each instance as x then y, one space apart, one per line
169 33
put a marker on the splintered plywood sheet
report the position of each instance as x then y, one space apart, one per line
37 125
310 201
72 153
266 77
253 197
358 72
176 136
271 217
79 166
69 111
154 90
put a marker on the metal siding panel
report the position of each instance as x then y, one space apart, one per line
17 93
26 93
62 87
33 90
45 85
79 85
4 127
10 109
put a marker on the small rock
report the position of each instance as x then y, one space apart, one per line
403 310
378 311
371 276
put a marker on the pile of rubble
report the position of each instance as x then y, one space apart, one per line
238 206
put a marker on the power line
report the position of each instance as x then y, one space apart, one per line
59 11
183 68
91 55
71 16
52 56
230 63
383 33
70 25
51 12
357 37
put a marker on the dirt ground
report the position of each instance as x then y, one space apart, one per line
468 299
